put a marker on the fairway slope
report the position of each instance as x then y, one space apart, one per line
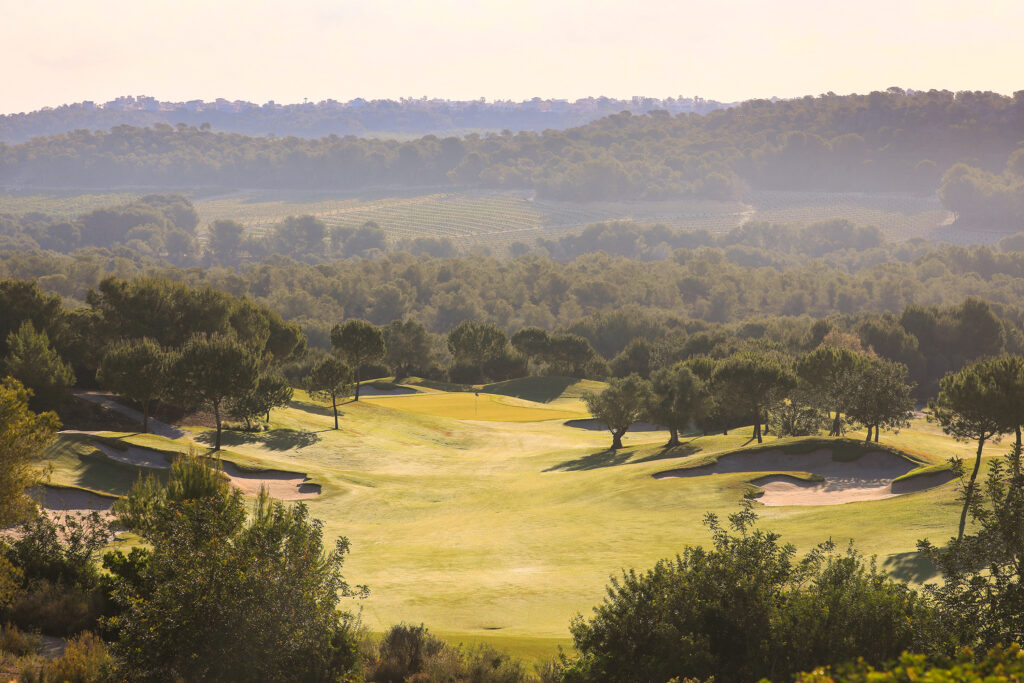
566 390
831 481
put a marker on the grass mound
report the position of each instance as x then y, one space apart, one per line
470 406
544 389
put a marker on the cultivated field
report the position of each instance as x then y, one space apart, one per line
498 219
491 518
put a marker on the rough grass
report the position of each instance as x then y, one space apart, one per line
501 530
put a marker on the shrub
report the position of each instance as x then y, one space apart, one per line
999 664
796 419
411 653
60 591
86 659
743 610
15 641
403 652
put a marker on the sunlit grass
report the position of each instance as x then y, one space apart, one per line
500 530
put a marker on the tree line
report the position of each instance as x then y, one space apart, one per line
882 141
329 117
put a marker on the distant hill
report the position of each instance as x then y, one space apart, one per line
391 118
892 141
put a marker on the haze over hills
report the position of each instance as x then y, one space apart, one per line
403 117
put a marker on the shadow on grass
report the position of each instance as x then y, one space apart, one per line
275 439
611 458
99 473
316 408
912 566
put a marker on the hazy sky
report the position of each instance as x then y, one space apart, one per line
61 51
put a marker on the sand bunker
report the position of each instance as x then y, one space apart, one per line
134 455
67 500
869 477
280 485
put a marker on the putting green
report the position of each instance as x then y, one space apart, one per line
469 406
491 527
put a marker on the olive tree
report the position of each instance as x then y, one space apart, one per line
879 396
620 405
677 397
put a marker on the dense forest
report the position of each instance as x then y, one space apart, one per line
615 285
356 117
883 141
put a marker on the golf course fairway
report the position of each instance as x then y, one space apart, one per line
488 519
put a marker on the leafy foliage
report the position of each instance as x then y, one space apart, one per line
620 405
138 370
223 597
744 609
23 435
33 361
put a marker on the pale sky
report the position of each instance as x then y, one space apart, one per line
59 51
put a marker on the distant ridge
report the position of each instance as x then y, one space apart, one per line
406 116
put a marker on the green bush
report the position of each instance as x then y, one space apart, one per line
411 653
16 642
745 609
86 659
998 665
60 590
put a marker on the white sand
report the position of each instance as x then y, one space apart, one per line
280 485
76 501
869 477
134 455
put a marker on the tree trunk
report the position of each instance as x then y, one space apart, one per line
145 416
876 433
673 438
617 439
837 425
357 384
216 415
969 493
1017 429
867 439
334 405
757 428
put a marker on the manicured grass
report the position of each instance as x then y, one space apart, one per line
560 391
501 530
471 406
